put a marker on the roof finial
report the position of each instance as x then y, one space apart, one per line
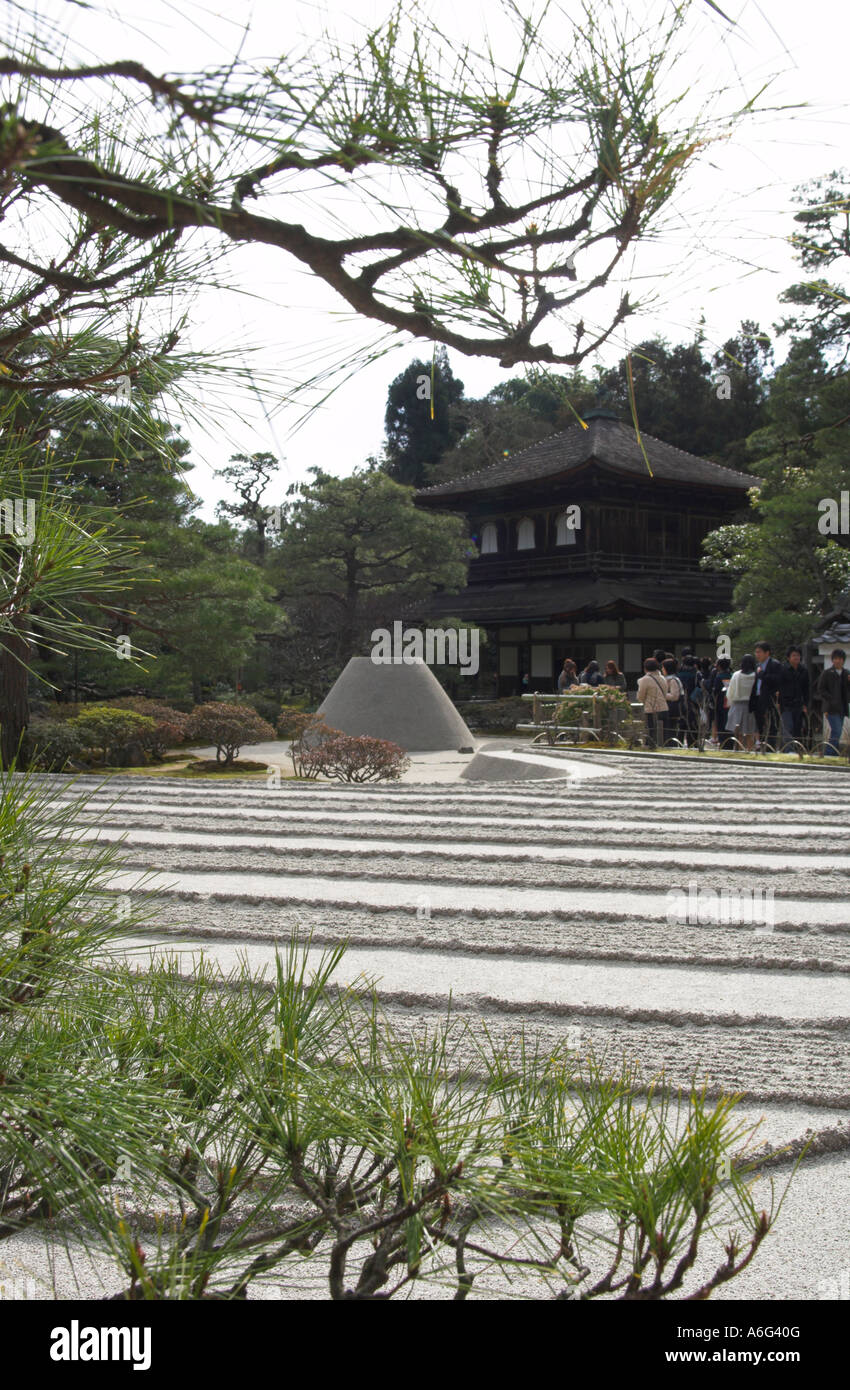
605 407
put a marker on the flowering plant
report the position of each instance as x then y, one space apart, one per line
581 701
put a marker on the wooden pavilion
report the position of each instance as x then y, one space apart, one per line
585 551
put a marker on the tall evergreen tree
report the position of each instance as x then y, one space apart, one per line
822 239
249 475
420 423
354 553
792 559
191 602
501 181
741 381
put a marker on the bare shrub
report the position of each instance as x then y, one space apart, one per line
363 759
228 727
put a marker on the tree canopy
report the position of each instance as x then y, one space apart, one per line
482 201
420 423
704 403
355 551
790 565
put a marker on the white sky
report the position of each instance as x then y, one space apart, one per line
725 257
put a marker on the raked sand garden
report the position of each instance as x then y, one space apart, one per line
545 905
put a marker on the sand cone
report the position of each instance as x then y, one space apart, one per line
403 703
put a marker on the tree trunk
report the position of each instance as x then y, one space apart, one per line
14 695
348 631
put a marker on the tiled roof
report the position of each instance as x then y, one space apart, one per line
606 441
506 603
836 632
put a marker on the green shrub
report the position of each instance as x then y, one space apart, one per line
169 724
493 716
51 744
66 709
581 701
611 706
266 706
111 732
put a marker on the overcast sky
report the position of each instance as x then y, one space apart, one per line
725 254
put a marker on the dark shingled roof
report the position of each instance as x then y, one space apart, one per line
608 443
835 626
507 603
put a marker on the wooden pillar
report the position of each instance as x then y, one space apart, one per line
597 713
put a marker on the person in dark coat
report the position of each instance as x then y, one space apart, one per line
765 696
793 696
614 676
690 678
834 695
590 675
716 686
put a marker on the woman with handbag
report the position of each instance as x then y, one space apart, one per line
652 693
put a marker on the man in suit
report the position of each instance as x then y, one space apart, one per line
763 700
834 694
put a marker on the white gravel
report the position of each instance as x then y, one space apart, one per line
544 905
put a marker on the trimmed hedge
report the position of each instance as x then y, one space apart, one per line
110 731
51 744
169 724
494 716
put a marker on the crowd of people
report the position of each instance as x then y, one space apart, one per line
763 702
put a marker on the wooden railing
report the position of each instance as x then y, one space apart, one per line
589 722
489 569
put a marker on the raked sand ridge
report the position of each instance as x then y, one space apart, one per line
544 905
